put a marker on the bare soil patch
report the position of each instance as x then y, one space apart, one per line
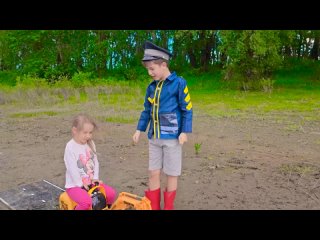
242 163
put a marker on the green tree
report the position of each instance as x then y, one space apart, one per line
253 55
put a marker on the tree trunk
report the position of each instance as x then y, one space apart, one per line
192 57
287 51
299 46
315 49
206 49
101 68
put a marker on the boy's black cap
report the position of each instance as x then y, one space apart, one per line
153 52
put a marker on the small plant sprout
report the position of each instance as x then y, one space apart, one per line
197 148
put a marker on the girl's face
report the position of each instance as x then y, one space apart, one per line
156 71
84 135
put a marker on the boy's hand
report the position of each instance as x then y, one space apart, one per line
183 138
136 137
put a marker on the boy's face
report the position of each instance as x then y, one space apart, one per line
156 71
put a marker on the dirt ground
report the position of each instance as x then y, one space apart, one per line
254 163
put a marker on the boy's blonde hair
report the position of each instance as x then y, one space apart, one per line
79 121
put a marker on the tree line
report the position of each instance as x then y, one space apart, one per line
245 54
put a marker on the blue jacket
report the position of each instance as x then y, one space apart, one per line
168 108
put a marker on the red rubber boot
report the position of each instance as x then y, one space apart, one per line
155 197
169 200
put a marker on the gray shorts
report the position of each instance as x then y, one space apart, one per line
165 154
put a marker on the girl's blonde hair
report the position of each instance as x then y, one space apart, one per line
79 121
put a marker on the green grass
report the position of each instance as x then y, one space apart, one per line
230 103
33 114
121 119
299 169
293 127
296 91
122 101
298 74
197 148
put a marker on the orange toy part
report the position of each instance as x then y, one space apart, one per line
128 201
65 202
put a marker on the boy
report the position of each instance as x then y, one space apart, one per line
168 108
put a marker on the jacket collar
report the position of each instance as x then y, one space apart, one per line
171 77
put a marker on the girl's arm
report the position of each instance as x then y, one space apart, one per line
72 167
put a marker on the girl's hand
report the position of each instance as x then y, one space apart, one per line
96 182
86 187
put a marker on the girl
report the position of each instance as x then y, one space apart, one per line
82 166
